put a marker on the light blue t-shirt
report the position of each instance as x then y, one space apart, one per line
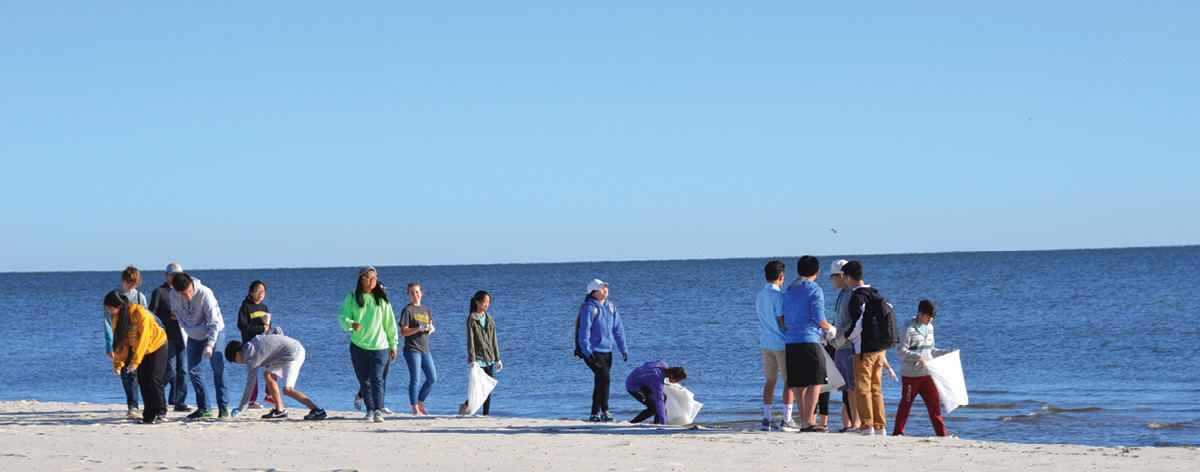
803 310
769 306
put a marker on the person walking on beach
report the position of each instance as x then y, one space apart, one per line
367 315
915 349
769 306
804 326
176 372
600 330
131 278
843 355
254 319
416 326
870 358
645 384
281 358
482 348
196 308
140 345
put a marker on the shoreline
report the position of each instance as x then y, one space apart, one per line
86 436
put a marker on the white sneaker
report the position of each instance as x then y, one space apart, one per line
866 431
881 432
386 411
358 403
370 416
789 426
378 416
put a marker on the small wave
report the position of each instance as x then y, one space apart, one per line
1153 425
1054 409
991 406
1021 418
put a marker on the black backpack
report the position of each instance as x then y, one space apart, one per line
879 331
575 340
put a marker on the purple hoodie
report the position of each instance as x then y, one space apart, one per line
650 375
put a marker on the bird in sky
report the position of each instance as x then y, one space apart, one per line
834 230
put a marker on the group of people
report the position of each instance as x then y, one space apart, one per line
797 338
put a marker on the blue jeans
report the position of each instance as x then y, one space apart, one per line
418 363
195 349
176 373
129 380
368 367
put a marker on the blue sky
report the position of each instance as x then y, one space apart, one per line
298 134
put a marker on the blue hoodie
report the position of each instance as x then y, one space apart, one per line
599 326
651 375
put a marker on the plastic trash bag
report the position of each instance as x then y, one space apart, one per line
682 406
947 374
479 386
833 377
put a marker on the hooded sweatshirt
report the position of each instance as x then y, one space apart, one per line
651 375
145 336
269 349
199 317
132 296
378 322
600 328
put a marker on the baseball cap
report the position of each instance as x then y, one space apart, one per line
595 284
836 268
363 271
174 268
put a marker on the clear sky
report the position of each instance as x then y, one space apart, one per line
299 134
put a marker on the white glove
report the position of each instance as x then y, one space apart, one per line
831 333
207 352
499 365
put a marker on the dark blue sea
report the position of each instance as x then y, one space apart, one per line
1095 347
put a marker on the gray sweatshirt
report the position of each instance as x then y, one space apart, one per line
268 349
199 317
915 346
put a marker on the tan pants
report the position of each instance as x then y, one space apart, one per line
868 384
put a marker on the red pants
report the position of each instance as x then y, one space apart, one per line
913 386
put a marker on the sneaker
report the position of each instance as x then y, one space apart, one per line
223 413
594 419
182 408
378 417
789 426
200 414
768 425
254 406
317 414
386 411
358 403
370 416
880 432
133 413
275 414
865 431
606 417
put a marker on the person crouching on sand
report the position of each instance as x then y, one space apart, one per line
645 383
138 336
277 355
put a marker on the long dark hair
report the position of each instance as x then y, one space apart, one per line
116 300
380 291
478 298
250 291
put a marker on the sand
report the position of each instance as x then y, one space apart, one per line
82 436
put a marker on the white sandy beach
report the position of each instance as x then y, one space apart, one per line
70 436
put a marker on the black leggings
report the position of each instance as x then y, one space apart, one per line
645 397
600 363
150 382
823 404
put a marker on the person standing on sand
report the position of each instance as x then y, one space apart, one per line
367 315
176 373
915 349
843 355
805 325
769 306
868 363
482 347
645 384
140 345
253 320
416 326
600 329
200 317
130 280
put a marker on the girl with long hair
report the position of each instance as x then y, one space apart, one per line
139 345
367 315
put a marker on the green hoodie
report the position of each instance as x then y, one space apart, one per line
378 323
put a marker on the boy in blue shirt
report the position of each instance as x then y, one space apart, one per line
769 306
804 325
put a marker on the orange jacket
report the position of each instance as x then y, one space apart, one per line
145 336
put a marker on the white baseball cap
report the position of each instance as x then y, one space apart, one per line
836 268
174 268
595 284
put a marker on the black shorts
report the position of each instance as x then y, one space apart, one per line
805 365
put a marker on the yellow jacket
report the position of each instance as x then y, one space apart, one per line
145 336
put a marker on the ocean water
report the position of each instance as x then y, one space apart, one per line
1095 347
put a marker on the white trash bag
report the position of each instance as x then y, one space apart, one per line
681 405
833 377
947 374
479 386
